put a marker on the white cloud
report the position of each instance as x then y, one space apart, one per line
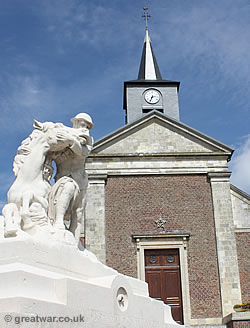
208 36
26 91
240 166
24 97
90 22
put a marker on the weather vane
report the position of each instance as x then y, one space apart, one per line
146 16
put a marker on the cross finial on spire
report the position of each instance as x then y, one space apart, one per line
146 16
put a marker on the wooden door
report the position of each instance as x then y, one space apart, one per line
162 268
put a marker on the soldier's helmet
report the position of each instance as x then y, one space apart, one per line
83 117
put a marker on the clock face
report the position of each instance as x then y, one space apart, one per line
152 96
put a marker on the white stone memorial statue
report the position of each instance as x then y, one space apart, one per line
68 196
45 279
34 206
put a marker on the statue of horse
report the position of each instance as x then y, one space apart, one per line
32 202
32 182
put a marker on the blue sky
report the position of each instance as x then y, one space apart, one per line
62 57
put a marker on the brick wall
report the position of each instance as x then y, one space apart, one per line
239 324
243 246
134 203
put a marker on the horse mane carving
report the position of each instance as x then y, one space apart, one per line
26 145
22 152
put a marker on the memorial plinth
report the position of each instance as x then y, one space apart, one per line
42 279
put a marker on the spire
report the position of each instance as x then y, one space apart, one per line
149 69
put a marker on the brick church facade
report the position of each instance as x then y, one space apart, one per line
161 207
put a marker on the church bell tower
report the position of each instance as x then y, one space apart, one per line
150 92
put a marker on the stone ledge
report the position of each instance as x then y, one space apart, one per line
242 230
219 176
204 323
173 154
161 234
97 176
237 316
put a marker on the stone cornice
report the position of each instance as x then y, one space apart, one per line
150 155
242 230
219 176
167 234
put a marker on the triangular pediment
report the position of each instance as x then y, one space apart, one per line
156 134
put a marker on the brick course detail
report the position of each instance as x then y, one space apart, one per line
185 203
243 246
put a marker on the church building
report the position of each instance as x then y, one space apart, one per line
161 207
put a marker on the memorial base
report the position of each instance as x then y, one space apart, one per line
46 284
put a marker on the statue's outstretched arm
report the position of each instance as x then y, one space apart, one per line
82 149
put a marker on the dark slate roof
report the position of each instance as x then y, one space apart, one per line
142 70
148 66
